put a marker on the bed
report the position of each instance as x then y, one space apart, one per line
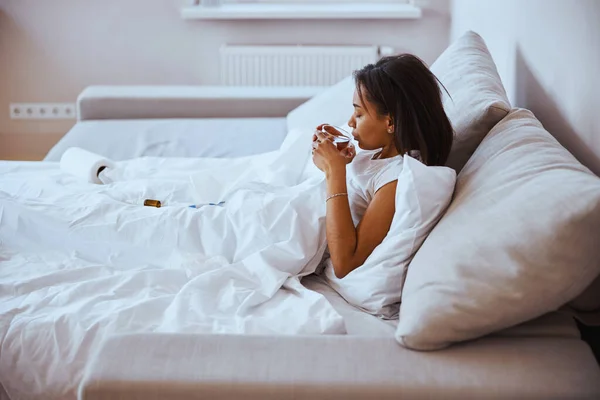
85 326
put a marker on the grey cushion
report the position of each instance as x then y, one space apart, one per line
520 239
478 99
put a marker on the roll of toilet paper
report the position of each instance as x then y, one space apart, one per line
84 164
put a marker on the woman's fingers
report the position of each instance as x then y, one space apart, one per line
349 152
331 130
321 137
327 130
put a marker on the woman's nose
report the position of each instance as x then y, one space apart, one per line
351 122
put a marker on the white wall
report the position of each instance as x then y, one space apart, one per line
51 50
548 56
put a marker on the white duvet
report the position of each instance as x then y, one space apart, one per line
79 262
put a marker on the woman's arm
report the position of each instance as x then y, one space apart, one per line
349 247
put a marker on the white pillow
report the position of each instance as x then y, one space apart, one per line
422 195
519 240
332 106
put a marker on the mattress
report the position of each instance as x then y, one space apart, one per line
204 137
359 323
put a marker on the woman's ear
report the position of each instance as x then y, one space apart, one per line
390 124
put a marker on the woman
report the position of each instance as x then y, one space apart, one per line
397 110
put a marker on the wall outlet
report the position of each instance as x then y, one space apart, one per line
43 111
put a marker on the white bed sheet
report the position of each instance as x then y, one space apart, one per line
357 322
203 137
79 261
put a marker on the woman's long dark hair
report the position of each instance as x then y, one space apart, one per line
404 88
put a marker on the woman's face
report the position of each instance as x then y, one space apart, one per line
370 130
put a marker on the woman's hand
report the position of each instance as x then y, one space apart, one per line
326 155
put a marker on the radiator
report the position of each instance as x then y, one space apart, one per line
293 65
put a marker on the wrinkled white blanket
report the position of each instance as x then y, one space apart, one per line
79 261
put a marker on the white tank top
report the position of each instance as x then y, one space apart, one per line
365 177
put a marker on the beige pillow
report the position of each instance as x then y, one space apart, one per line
478 102
520 239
